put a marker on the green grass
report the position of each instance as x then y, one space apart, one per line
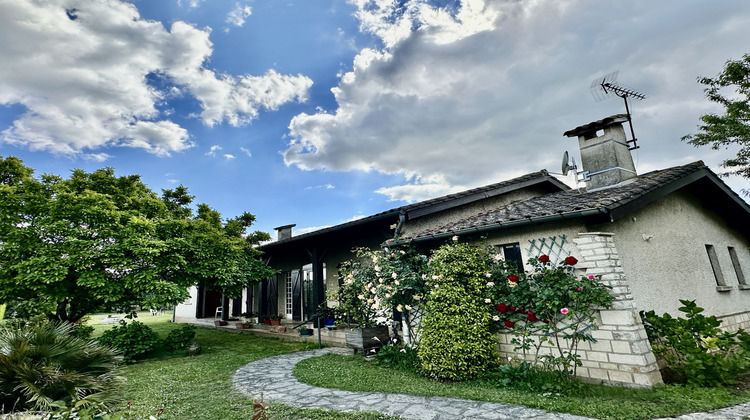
353 373
200 387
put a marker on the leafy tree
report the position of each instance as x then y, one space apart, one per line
733 127
96 240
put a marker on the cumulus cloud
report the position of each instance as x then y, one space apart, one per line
212 151
86 84
477 91
237 16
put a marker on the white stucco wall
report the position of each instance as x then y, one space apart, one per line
663 253
185 311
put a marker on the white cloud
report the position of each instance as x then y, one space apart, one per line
229 156
246 151
192 4
472 94
96 157
85 84
321 187
237 16
212 152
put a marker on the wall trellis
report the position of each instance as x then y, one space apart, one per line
552 246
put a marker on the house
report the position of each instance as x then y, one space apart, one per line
676 233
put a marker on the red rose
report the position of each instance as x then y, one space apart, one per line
501 307
543 258
571 261
511 308
509 324
531 317
513 278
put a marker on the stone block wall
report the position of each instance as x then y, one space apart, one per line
735 322
621 353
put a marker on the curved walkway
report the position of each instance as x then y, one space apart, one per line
272 377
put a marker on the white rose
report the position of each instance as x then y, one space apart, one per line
394 275
400 308
487 300
455 238
417 297
490 284
396 283
408 308
496 318
488 275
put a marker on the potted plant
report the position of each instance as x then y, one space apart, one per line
276 319
249 317
305 332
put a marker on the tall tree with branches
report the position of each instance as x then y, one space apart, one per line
96 241
731 90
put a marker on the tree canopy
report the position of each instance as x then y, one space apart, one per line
730 89
94 241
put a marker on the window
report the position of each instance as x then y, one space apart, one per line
512 252
721 285
736 265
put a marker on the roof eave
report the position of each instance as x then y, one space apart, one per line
507 225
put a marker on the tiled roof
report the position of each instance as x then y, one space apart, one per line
564 204
451 200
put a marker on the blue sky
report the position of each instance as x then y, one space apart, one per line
316 112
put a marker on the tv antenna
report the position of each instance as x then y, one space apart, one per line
604 87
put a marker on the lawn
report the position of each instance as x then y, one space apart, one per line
355 374
200 387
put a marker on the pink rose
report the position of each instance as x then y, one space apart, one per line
579 288
564 311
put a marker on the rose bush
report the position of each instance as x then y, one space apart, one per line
548 305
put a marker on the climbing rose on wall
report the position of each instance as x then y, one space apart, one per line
571 261
543 258
513 278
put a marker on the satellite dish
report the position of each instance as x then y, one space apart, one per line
567 165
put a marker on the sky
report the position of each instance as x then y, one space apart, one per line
318 112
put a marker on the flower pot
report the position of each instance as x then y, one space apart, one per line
267 321
305 333
242 325
220 323
275 322
329 323
367 338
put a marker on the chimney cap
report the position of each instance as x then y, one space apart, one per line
285 227
583 130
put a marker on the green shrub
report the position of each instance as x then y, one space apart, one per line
458 338
696 350
82 331
180 338
135 340
397 357
527 377
43 367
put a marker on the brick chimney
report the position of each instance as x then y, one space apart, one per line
605 157
284 232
